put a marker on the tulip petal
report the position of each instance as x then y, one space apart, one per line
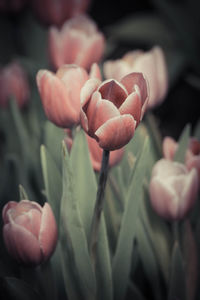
95 72
136 79
113 91
98 111
92 50
48 231
116 69
56 101
22 244
132 105
116 132
169 147
88 89
7 207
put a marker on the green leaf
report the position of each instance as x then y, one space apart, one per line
22 193
122 258
177 284
182 145
85 193
53 137
16 289
148 259
52 181
76 264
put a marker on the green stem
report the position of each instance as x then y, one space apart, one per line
98 206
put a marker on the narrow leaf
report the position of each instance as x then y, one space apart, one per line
22 193
183 144
52 181
74 246
122 258
177 284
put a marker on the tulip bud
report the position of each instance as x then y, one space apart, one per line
30 231
78 42
192 157
13 82
173 189
60 94
152 64
111 110
57 11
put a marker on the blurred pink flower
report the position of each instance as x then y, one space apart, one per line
29 231
13 82
56 12
77 42
111 110
173 189
192 157
60 93
152 64
12 5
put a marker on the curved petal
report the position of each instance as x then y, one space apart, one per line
56 100
48 232
116 132
98 112
133 79
116 69
113 91
88 89
132 105
91 51
22 244
95 71
6 208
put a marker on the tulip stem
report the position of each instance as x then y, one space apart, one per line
98 206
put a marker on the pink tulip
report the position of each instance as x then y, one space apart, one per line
77 42
13 82
192 157
12 5
30 231
152 64
111 110
56 12
173 189
60 93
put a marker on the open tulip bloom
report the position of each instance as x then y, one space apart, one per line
111 110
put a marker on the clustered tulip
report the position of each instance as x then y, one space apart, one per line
192 157
30 231
151 63
173 189
78 42
60 93
111 110
58 11
13 83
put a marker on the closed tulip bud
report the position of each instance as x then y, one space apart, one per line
192 156
60 94
152 64
173 189
13 83
29 231
78 42
111 110
51 12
